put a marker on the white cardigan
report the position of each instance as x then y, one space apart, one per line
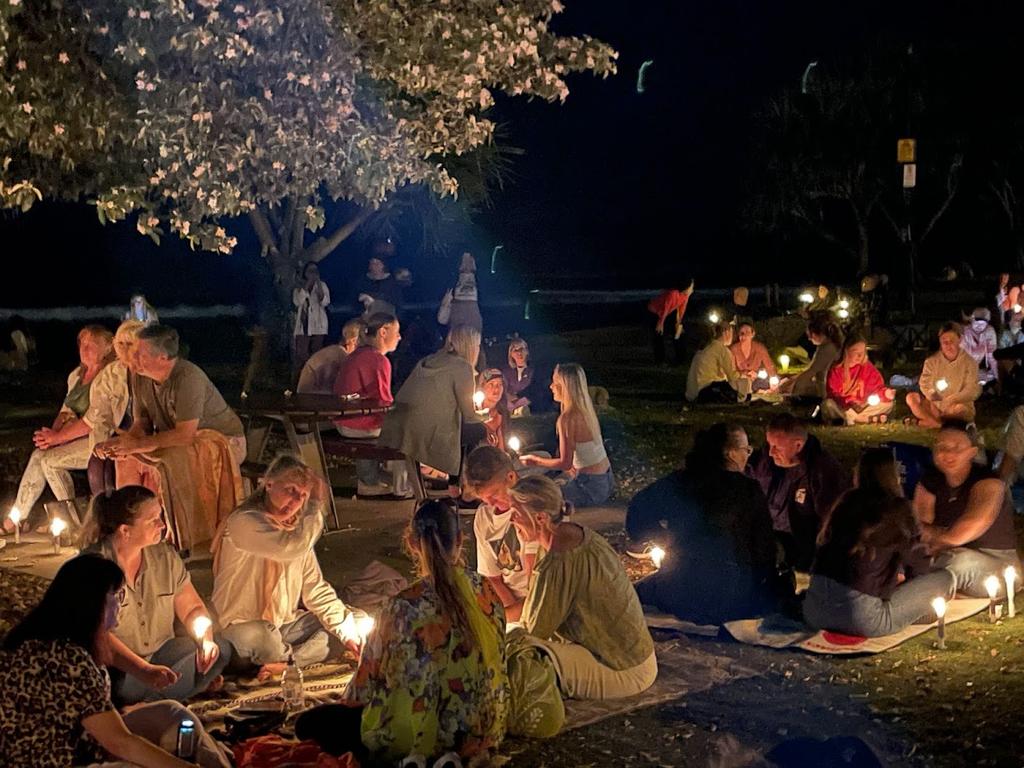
108 402
316 325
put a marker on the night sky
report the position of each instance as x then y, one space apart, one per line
616 188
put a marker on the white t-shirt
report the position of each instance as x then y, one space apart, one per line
498 549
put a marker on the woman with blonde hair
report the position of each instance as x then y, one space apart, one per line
518 375
582 596
581 454
434 415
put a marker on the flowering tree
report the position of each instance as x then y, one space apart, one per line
188 112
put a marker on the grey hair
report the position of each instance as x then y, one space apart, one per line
163 338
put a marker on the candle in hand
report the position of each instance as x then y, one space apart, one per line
1010 576
356 629
939 606
773 382
807 297
762 374
992 587
874 400
941 385
478 399
200 626
57 527
16 518
714 317
514 444
657 556
844 304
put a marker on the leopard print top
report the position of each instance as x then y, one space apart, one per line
46 689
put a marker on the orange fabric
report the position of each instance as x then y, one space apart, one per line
271 751
667 302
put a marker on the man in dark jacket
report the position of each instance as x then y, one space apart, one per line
802 482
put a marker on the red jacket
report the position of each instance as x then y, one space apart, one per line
667 302
863 381
365 372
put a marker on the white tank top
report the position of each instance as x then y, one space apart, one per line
588 454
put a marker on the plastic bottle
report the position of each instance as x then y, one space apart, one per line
291 686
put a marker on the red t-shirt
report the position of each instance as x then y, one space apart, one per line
367 373
667 302
864 381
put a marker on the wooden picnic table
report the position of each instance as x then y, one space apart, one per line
301 417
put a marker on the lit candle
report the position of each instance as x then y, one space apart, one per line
843 314
844 304
939 606
1010 575
773 382
364 626
784 362
657 556
514 444
714 317
356 629
806 297
200 626
1017 309
874 400
992 587
941 385
56 529
478 399
762 374
16 517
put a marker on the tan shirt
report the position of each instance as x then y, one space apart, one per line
584 596
146 619
186 395
320 371
961 374
711 364
250 543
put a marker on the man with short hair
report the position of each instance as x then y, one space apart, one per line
802 482
965 513
949 382
185 443
501 557
321 369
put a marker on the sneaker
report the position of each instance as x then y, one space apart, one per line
448 760
377 489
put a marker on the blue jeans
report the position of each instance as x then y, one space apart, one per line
178 653
831 605
972 566
589 490
367 470
260 642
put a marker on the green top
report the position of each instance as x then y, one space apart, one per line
584 596
77 400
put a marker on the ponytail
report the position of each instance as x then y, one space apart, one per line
109 511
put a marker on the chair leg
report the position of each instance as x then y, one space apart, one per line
419 491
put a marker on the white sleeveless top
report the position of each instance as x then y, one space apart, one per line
588 454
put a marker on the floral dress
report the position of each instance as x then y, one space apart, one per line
424 688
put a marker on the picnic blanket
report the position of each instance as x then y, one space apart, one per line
779 632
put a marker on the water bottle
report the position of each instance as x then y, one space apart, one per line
187 740
291 686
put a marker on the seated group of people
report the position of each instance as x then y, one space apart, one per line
579 628
735 525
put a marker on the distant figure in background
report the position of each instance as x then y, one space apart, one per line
311 299
713 377
668 302
518 375
949 382
141 310
980 342
856 390
751 357
22 350
378 290
737 312
460 305
321 370
827 339
492 384
1011 334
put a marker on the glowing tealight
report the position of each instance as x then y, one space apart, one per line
843 314
657 556
874 400
200 626
784 362
478 399
16 517
762 374
514 444
773 381
844 304
941 385
807 297
714 317
1017 308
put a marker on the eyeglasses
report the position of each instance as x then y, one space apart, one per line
747 449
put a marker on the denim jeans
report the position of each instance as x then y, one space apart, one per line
367 470
831 605
972 566
589 490
178 653
260 642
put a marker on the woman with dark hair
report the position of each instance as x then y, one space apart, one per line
54 660
865 543
311 298
855 389
127 527
714 524
431 678
827 339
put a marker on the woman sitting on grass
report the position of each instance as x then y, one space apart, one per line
582 609
865 544
949 383
827 339
856 390
581 453
54 688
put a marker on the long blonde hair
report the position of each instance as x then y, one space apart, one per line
538 493
576 397
464 341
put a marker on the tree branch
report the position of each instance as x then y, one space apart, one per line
952 185
298 226
323 246
264 232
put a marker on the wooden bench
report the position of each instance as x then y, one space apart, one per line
370 450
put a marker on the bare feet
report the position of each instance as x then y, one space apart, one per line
270 671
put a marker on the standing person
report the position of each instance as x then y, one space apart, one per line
827 339
720 561
802 482
862 549
581 453
434 417
856 392
367 373
669 302
141 311
270 594
311 299
582 609
979 340
751 357
949 382
461 304
965 513
321 370
378 291
713 377
431 677
153 662
518 374
54 688
65 445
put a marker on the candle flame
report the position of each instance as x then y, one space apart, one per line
784 362
364 626
58 526
992 586
939 606
762 374
478 399
714 317
806 297
200 626
356 629
874 400
15 515
773 381
942 385
514 444
843 314
844 304
1017 309
657 556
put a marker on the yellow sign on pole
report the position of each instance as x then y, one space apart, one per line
906 151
